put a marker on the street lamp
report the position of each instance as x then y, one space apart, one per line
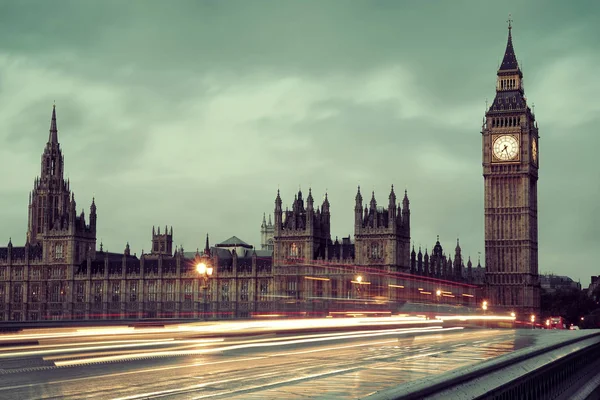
532 321
484 306
205 272
438 294
359 280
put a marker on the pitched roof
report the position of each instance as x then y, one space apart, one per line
234 241
509 62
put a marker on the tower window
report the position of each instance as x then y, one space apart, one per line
80 292
17 293
132 291
294 250
116 292
376 251
35 293
58 252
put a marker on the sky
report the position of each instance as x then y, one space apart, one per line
192 114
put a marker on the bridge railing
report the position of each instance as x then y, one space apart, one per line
558 369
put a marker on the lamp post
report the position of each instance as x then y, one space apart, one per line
532 321
484 306
438 294
204 273
359 281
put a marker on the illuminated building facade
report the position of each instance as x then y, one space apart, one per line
59 274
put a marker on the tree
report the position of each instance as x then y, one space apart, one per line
571 304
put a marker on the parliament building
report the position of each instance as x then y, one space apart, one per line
62 274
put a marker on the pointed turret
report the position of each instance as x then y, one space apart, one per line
406 214
207 247
278 202
373 203
392 210
457 261
278 215
413 260
392 198
53 136
509 62
73 209
358 198
309 200
93 216
264 221
358 211
127 251
469 270
270 224
325 205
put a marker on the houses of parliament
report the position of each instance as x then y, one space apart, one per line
62 273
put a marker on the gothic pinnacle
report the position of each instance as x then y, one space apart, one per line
53 137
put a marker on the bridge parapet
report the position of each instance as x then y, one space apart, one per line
563 365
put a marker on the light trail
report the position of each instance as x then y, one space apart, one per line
247 346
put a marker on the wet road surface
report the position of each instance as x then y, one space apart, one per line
176 365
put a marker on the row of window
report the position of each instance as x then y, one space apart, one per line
508 84
506 122
35 273
57 292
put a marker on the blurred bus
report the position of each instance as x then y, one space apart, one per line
557 323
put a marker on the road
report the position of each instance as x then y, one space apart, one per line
187 363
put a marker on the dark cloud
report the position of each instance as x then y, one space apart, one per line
194 115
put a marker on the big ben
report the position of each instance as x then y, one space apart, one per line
510 171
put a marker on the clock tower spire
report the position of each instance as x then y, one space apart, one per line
510 171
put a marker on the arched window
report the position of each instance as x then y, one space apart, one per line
294 250
58 252
375 250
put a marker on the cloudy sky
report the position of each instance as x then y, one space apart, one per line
193 113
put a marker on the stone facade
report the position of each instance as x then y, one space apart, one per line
267 232
510 169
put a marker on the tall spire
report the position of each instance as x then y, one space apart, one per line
358 198
509 62
53 137
207 246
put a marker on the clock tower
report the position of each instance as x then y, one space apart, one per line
510 172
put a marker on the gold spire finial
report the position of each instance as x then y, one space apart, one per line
509 20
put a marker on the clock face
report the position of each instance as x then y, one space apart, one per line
534 150
506 147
